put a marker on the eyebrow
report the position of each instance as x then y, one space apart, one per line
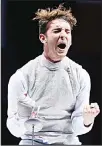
56 28
59 28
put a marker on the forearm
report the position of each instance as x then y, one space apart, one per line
78 126
26 100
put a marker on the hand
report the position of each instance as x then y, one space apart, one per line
90 112
26 100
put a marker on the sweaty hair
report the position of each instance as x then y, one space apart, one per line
46 15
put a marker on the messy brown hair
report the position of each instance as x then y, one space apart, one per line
49 14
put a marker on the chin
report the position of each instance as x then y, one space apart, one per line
61 55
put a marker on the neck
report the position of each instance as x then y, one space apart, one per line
51 59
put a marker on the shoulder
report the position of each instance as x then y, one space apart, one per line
31 65
72 63
25 71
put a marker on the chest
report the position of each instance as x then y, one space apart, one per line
53 88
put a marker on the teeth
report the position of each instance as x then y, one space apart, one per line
62 46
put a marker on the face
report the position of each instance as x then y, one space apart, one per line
57 39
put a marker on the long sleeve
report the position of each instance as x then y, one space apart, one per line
81 100
17 92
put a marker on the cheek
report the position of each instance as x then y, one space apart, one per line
52 40
70 39
54 36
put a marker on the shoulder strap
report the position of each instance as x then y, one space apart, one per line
72 79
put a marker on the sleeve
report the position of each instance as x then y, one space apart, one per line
81 100
17 89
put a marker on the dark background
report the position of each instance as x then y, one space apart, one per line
20 43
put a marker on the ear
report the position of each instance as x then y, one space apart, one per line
42 38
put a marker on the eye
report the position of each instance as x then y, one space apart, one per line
56 31
67 31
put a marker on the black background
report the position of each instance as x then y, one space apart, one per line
20 43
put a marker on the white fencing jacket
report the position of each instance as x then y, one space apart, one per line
61 89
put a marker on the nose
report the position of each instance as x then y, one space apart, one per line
63 35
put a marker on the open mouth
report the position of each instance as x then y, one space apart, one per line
62 46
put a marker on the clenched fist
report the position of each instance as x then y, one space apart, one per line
90 112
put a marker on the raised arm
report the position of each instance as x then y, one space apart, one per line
83 115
